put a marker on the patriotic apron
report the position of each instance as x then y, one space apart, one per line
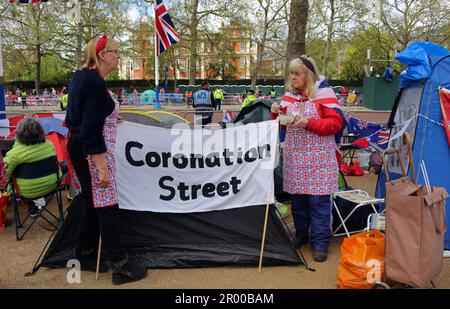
106 196
309 160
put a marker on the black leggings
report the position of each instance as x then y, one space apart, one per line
104 220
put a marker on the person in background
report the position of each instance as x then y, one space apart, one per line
24 99
188 98
64 100
310 166
204 105
273 93
92 117
31 146
249 98
218 98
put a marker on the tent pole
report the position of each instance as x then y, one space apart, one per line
97 270
263 238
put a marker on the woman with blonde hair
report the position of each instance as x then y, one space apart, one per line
310 167
92 117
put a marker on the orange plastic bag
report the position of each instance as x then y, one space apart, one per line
362 260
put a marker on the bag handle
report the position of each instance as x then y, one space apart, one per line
393 151
407 141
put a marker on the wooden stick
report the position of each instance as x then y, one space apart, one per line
263 238
98 257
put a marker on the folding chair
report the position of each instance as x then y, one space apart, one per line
360 199
34 170
347 148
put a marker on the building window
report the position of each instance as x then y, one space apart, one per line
182 64
243 62
136 64
243 47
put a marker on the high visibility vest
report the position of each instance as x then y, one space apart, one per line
248 99
65 100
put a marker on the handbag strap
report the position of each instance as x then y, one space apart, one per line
436 202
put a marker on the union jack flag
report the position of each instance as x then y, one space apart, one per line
228 116
379 140
362 124
165 30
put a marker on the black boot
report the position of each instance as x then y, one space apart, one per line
301 238
124 272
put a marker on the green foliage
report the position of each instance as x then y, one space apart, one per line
355 55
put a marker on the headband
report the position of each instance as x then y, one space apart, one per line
101 43
307 64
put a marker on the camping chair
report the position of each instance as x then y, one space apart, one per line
38 169
359 199
349 204
347 148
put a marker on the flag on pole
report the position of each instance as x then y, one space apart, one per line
165 30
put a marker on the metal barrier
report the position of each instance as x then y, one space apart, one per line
33 100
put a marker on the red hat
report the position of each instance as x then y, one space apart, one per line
101 43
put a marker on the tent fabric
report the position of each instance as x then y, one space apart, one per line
170 240
163 240
256 111
148 97
161 119
419 101
420 57
52 124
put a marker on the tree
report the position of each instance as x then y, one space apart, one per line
220 46
268 15
195 16
333 19
29 31
414 19
355 55
297 29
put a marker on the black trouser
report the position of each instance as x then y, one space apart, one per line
218 104
94 220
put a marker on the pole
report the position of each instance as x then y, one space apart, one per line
99 252
263 238
157 105
79 31
2 90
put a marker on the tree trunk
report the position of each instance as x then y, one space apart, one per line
330 30
297 30
37 82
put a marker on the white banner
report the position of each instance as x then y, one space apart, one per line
181 170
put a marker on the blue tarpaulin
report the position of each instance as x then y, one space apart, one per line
418 56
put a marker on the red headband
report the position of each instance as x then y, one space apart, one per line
101 43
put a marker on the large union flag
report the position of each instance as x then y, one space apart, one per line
165 30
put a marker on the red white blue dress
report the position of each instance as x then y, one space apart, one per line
309 160
106 196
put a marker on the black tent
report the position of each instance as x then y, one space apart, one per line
175 240
170 240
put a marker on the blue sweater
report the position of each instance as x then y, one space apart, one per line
89 105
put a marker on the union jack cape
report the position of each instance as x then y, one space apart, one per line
324 96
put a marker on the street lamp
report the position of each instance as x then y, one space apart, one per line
76 4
